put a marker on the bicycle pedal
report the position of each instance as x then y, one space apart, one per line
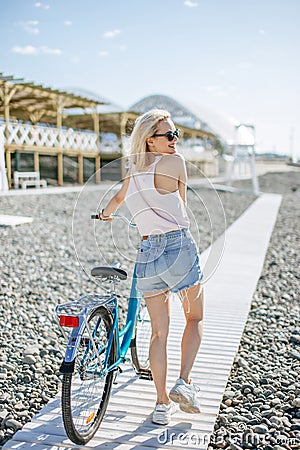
145 375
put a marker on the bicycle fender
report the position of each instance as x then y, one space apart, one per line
73 342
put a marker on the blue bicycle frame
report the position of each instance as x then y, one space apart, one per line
127 332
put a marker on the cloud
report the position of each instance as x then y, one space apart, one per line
41 5
103 53
30 26
31 50
111 34
68 23
50 51
261 31
27 50
123 47
190 4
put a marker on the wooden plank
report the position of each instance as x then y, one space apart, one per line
60 171
97 169
36 162
50 151
80 168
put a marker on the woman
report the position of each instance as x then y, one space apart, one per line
168 260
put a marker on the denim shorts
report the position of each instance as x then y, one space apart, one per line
168 261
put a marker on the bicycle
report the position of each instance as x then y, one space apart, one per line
96 348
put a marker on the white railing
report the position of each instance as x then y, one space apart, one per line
39 136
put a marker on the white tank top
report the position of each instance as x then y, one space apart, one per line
154 213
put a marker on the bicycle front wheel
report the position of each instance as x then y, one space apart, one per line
85 392
141 341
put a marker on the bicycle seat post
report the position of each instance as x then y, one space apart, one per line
111 281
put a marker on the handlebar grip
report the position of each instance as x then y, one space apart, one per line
95 216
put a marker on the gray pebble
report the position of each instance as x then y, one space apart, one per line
276 420
275 401
261 429
296 402
14 424
242 363
3 374
3 414
295 354
229 394
31 350
239 418
29 359
295 338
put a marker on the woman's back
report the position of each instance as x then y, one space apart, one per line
154 198
169 172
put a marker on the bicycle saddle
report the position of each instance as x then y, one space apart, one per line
109 271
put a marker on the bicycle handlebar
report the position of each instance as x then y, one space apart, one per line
116 216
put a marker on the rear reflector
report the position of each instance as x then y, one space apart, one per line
69 321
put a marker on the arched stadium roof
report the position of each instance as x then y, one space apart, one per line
180 114
198 117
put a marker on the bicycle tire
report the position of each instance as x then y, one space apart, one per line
85 394
141 341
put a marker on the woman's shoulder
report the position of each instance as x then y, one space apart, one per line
174 161
173 165
174 158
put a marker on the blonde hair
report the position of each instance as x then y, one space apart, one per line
145 126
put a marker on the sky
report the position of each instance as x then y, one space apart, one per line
238 58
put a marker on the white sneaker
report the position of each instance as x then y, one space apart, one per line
162 413
186 395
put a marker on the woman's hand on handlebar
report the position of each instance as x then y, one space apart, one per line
113 216
104 217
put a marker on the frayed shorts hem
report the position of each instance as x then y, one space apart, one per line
175 291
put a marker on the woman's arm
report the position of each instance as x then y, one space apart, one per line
116 201
182 181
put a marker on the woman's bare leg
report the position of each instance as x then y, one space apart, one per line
158 306
193 309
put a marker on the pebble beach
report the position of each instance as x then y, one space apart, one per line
48 262
261 404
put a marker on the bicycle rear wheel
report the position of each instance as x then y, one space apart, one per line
141 341
85 393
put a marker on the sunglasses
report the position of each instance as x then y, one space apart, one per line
169 134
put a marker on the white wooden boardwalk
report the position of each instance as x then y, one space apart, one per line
228 294
12 221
